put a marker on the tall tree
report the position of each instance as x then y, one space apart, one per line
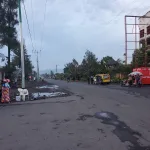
138 59
90 64
71 68
8 22
16 61
141 57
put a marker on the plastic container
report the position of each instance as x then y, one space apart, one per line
18 98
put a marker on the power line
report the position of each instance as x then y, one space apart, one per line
28 26
31 35
116 16
122 11
43 25
140 4
33 22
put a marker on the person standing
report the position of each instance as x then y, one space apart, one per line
29 78
5 91
95 80
100 80
130 80
92 79
88 80
15 82
138 80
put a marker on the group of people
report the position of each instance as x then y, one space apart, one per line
94 80
4 91
133 80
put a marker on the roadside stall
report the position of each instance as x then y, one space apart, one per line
139 76
134 79
145 71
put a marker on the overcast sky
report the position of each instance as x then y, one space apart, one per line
72 26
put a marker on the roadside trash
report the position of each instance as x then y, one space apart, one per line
44 95
23 94
48 87
18 98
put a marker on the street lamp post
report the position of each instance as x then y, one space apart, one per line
21 45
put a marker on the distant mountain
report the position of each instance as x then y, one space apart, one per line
49 70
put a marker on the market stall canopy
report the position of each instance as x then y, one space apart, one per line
135 73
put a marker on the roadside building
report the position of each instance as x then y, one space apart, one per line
144 27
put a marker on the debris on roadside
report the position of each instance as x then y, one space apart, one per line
39 90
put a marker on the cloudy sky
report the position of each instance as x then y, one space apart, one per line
72 26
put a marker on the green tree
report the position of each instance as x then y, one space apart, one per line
16 61
90 64
72 68
8 22
141 57
138 57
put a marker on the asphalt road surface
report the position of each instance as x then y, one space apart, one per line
92 118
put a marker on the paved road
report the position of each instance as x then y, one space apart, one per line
93 118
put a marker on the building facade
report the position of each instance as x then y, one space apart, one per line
144 27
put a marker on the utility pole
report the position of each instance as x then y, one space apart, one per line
21 45
37 66
56 68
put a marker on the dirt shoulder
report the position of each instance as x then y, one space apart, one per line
40 90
